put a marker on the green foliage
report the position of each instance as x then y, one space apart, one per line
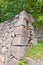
39 21
9 8
36 52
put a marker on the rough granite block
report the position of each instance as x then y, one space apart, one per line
33 62
21 22
30 27
20 40
24 15
34 41
1 59
22 31
13 61
18 51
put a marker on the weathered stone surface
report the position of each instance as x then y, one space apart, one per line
20 30
17 16
8 45
34 41
24 15
0 48
15 38
31 18
40 61
7 56
1 59
1 34
1 40
7 41
39 34
20 40
21 22
14 62
33 62
18 52
32 37
32 33
4 49
30 27
6 63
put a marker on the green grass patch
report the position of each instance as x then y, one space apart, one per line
36 52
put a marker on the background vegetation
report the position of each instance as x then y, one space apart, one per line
9 8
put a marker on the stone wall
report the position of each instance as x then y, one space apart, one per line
15 38
34 62
39 34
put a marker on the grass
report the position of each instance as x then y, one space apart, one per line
36 52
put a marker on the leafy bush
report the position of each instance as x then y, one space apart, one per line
9 8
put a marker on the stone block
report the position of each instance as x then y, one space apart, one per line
4 49
14 62
17 16
7 55
1 40
31 18
18 51
32 37
24 15
7 41
32 33
33 62
12 34
20 40
22 31
34 41
1 34
0 48
8 45
4 44
6 63
1 60
30 27
7 35
21 22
